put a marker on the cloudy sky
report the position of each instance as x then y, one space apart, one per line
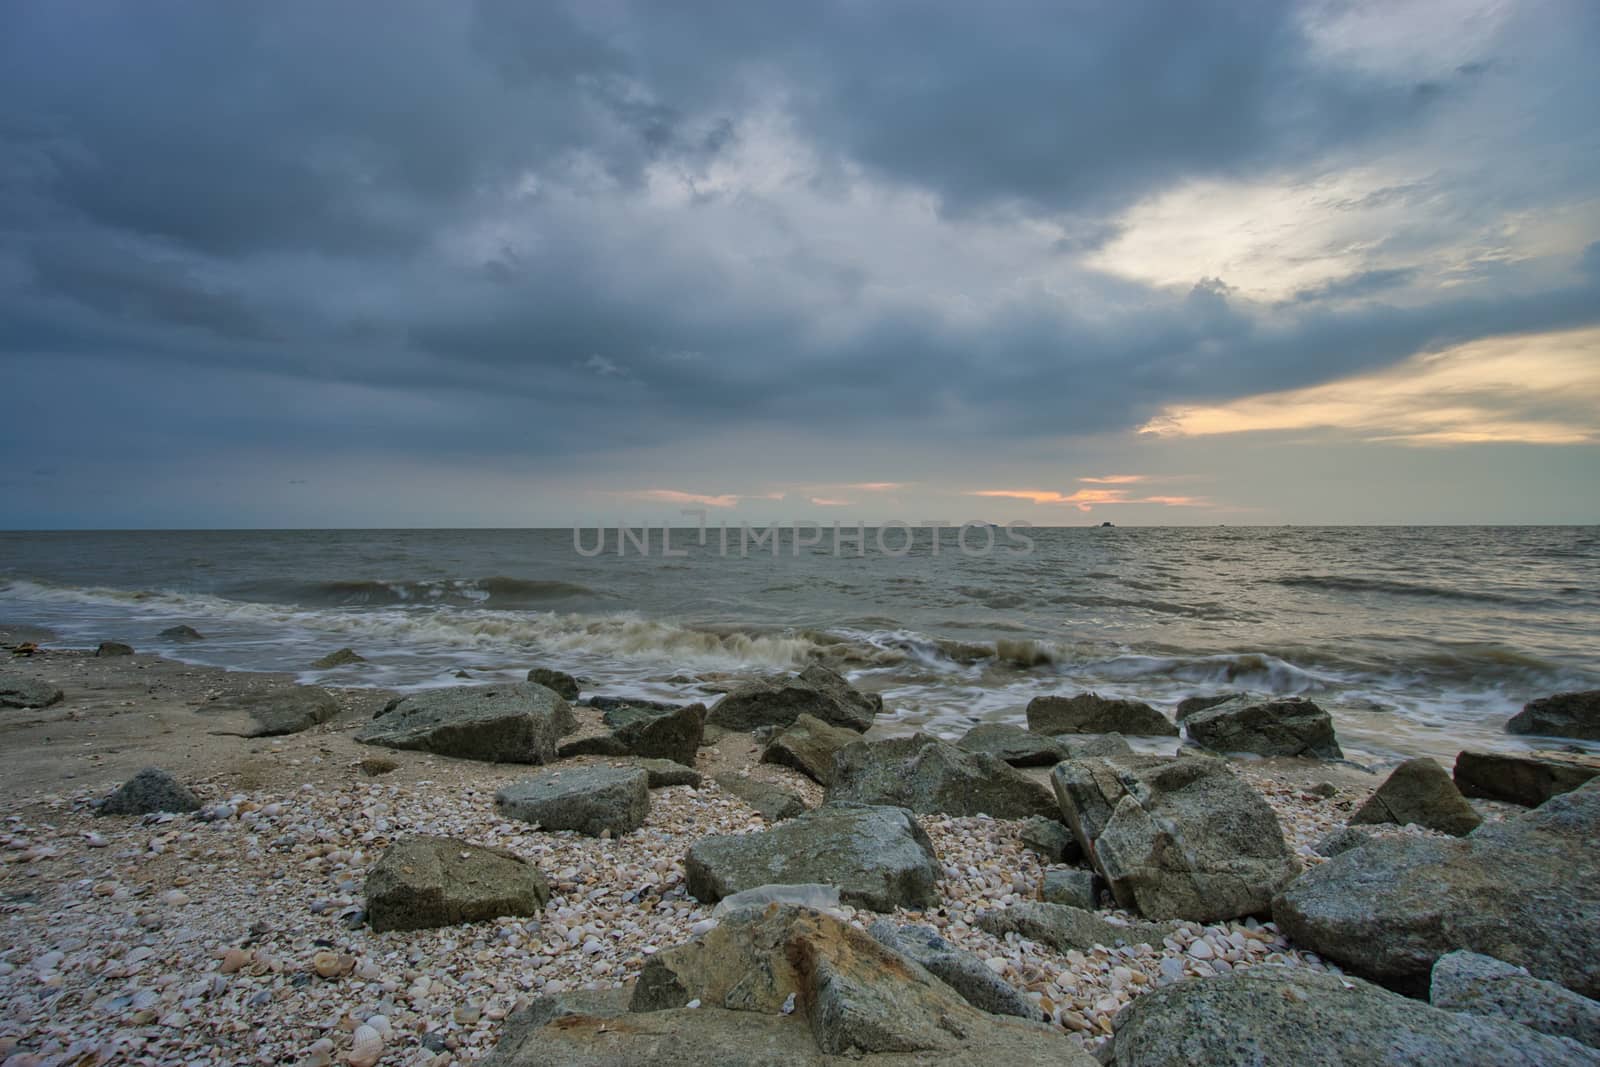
510 263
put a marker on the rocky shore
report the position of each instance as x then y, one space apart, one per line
528 873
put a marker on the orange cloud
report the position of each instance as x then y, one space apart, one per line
876 487
674 496
825 502
1114 479
1087 499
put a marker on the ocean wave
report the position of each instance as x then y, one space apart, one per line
1256 671
496 591
1350 584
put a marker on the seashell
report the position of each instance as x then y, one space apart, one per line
234 960
366 1047
381 1024
332 964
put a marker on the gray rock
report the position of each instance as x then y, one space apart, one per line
19 692
653 733
182 633
113 648
1526 891
280 711
607 703
1064 928
1288 727
809 745
1575 715
1340 841
517 723
664 772
151 790
963 971
813 895
1483 985
878 857
1275 1015
590 800
772 802
815 691
424 882
1051 839
1073 887
559 682
1018 747
341 658
930 776
1419 791
1180 838
1090 713
1189 705
1082 746
1529 780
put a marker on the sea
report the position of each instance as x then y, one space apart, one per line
1418 640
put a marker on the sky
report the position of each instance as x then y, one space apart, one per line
499 263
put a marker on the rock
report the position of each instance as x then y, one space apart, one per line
341 658
590 800
1529 780
1181 838
151 790
182 633
1275 1015
664 772
19 692
607 703
1090 713
1526 891
1419 791
672 734
771 801
1575 715
1288 727
815 691
518 723
963 971
813 895
1082 746
878 857
1018 747
1051 839
1189 705
562 683
930 776
424 882
373 766
1340 841
1066 928
277 712
113 648
809 745
1073 887
1483 985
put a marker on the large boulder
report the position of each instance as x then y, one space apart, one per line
516 723
280 711
664 772
1090 713
930 776
342 657
1181 838
1288 727
1018 747
1483 985
878 857
560 682
1065 928
590 800
1419 792
1191 704
772 802
151 790
1526 891
809 745
1575 715
1073 886
653 733
963 971
113 648
182 632
1529 780
19 692
1050 840
423 882
815 691
1276 1015
781 985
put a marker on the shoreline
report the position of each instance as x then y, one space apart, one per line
119 928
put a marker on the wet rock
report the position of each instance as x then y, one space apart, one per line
809 745
1288 727
113 648
664 772
607 703
151 790
1181 838
815 691
1526 891
425 882
878 857
1575 715
1018 747
773 802
1189 705
1483 985
1529 780
930 776
590 800
19 692
562 683
1050 839
1090 713
343 657
182 632
1420 792
673 734
1065 928
518 723
1340 841
280 711
1073 887
1274 1015
963 971
1082 746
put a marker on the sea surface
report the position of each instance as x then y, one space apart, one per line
1419 640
